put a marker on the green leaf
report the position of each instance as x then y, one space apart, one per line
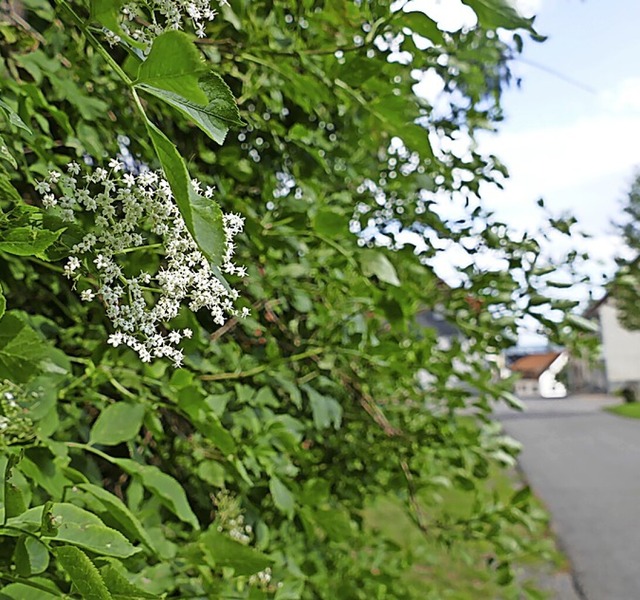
31 556
330 222
165 487
8 193
119 512
21 349
83 573
202 216
27 241
326 410
27 591
225 552
4 153
14 118
4 472
581 323
119 422
79 527
423 25
376 263
174 64
106 12
282 496
498 13
215 116
118 584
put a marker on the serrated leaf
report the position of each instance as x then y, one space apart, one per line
21 349
215 115
202 216
225 552
83 573
31 556
117 423
119 585
282 496
27 241
376 263
119 512
165 487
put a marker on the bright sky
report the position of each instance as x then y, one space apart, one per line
573 137
574 144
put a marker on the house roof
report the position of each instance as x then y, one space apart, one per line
534 365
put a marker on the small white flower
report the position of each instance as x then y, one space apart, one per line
129 212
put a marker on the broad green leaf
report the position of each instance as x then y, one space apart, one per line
118 584
225 552
174 64
21 349
214 116
119 512
83 573
326 410
202 216
282 496
421 24
119 422
27 591
13 500
165 487
376 263
106 13
31 556
330 222
14 118
27 241
79 527
499 13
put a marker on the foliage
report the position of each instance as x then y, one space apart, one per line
625 287
245 473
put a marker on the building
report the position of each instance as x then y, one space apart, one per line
618 365
539 375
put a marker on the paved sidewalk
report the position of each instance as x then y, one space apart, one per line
585 466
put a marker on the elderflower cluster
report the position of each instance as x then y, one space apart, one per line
133 215
144 20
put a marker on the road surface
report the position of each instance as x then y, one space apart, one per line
584 464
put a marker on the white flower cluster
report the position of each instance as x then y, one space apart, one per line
144 20
131 215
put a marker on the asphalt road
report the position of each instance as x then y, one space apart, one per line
584 464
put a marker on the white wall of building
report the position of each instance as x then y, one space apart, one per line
620 349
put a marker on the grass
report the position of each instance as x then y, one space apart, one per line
460 573
628 409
